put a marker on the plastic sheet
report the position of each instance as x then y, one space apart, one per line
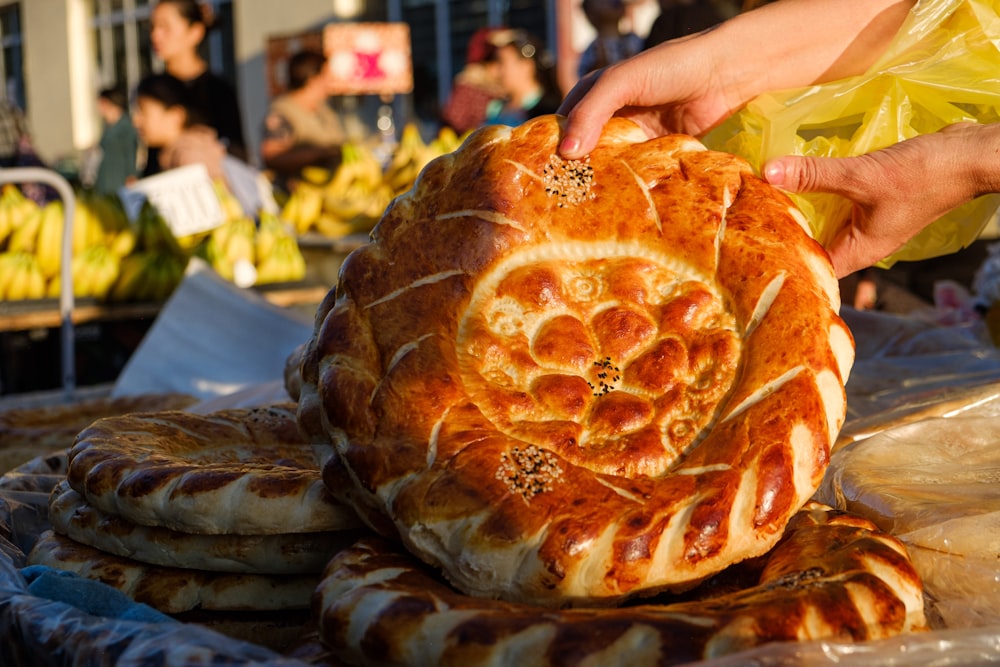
934 485
212 339
942 67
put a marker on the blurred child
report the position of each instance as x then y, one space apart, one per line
166 120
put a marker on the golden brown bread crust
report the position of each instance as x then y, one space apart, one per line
832 576
243 471
286 553
570 382
172 589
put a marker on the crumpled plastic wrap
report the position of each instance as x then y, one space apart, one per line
934 484
905 364
942 67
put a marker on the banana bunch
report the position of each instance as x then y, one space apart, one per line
117 232
412 155
94 272
284 263
303 207
356 196
349 200
14 209
278 256
148 275
153 233
230 246
20 276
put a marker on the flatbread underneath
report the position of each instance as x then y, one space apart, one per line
289 553
175 590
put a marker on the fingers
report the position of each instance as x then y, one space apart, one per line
588 107
811 174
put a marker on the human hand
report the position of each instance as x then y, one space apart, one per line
696 99
692 84
896 191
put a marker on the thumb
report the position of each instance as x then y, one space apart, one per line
811 174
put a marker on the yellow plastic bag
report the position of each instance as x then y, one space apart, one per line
942 67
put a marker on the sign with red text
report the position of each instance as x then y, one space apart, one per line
368 58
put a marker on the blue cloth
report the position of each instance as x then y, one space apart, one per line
89 595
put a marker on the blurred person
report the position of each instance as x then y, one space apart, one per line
18 150
13 134
474 87
611 45
301 129
119 142
679 18
527 75
166 120
178 27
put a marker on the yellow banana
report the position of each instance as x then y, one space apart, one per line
331 227
54 289
36 281
124 242
240 244
8 266
130 275
7 208
25 234
48 246
17 289
290 210
83 276
231 207
310 206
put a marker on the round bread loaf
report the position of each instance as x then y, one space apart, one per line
244 471
832 577
566 382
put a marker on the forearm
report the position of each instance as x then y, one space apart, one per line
793 43
981 156
296 158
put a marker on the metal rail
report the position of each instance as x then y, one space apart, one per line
65 191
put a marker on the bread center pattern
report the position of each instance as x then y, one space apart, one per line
591 350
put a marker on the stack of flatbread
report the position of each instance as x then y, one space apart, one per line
219 519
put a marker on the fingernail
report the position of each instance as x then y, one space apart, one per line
774 173
569 146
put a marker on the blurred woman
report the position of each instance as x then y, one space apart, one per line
178 29
166 119
527 75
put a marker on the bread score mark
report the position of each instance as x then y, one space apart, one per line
764 303
644 188
488 216
420 282
764 391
